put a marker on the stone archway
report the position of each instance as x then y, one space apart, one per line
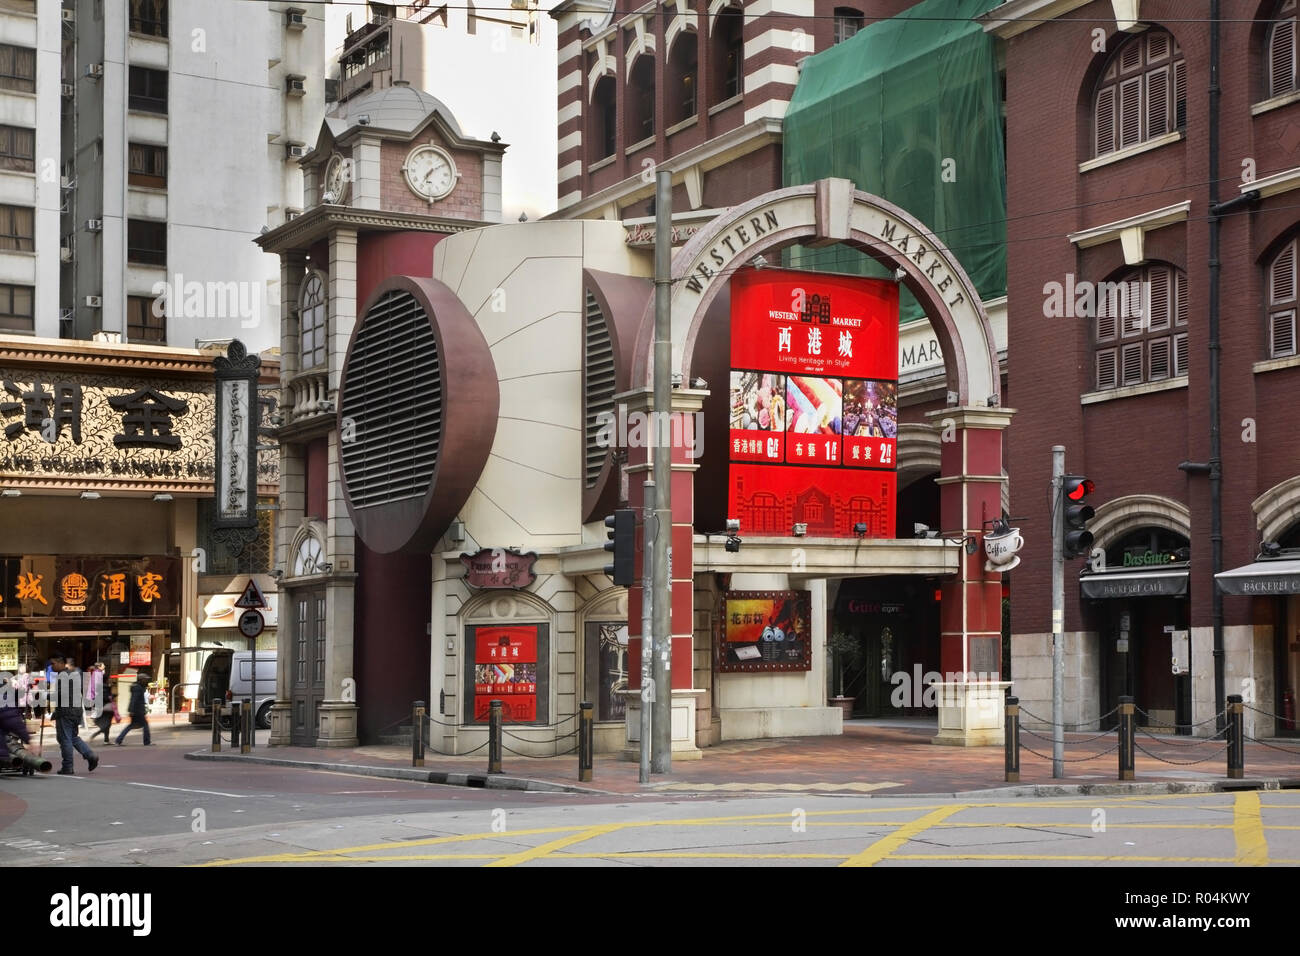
823 213
1277 509
1119 516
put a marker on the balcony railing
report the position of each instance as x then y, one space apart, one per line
307 392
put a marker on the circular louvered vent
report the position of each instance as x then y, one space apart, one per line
396 391
417 414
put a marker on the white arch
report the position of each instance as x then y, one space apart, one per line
1119 516
1277 509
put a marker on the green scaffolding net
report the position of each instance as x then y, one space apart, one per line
909 109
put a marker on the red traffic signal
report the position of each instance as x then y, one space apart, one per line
1076 488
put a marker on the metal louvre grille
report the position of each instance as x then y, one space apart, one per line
598 386
394 399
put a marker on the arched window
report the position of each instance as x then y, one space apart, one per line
1280 66
848 21
1139 325
603 127
641 100
1142 93
312 325
728 54
683 79
1281 284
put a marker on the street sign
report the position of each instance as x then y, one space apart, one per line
251 623
252 596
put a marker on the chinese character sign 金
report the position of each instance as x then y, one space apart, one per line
813 432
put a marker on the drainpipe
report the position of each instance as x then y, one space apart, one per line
1215 464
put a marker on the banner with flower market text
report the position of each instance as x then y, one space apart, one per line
766 631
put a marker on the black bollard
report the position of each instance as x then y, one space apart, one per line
494 738
1011 739
586 729
1236 737
236 725
216 726
417 734
246 739
1127 726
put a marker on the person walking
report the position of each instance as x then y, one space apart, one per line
23 691
69 714
106 717
136 709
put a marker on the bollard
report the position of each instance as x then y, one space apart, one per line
236 724
1127 725
246 737
417 734
1236 737
1011 737
586 728
216 726
494 738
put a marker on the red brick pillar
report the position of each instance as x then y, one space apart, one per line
970 493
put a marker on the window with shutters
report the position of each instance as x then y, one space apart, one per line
1142 94
1281 283
17 68
18 149
848 21
1139 327
1280 51
312 325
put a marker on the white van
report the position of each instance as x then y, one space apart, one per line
228 677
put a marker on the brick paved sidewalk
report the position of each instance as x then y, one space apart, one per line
876 758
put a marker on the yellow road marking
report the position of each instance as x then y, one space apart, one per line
887 845
1047 857
537 852
1247 827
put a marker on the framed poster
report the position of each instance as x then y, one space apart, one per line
813 429
766 631
511 663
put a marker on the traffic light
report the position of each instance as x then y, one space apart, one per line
1076 539
622 535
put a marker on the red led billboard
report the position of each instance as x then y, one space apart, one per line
813 434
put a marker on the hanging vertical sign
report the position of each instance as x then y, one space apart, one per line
236 452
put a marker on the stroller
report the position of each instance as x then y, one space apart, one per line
22 761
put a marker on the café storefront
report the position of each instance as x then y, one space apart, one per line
106 463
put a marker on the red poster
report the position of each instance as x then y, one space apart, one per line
814 403
505 669
766 631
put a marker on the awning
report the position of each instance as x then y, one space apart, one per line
1262 578
1129 584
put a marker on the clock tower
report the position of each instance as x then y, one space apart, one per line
400 150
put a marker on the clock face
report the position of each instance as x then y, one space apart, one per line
430 172
336 181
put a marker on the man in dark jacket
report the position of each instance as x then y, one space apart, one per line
137 711
11 718
69 713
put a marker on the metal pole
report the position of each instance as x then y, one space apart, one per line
1011 740
1127 726
252 727
585 741
246 742
494 738
417 734
647 618
1236 737
216 727
236 724
661 625
1058 613
1216 451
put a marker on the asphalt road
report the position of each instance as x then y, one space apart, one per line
151 807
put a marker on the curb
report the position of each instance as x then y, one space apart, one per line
454 779
1116 788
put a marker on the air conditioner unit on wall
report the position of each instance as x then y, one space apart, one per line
297 150
295 20
69 15
296 86
94 70
65 253
94 225
94 302
67 89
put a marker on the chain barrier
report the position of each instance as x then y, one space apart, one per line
1071 759
1202 723
1182 763
1277 717
540 756
1108 733
431 749
1265 743
1202 742
1067 727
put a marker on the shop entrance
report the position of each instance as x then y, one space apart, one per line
885 639
307 688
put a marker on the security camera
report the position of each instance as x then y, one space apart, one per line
900 274
733 525
920 530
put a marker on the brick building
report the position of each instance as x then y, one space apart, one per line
1110 181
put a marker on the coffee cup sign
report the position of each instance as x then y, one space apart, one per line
1001 550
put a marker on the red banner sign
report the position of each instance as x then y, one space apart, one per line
505 669
813 433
